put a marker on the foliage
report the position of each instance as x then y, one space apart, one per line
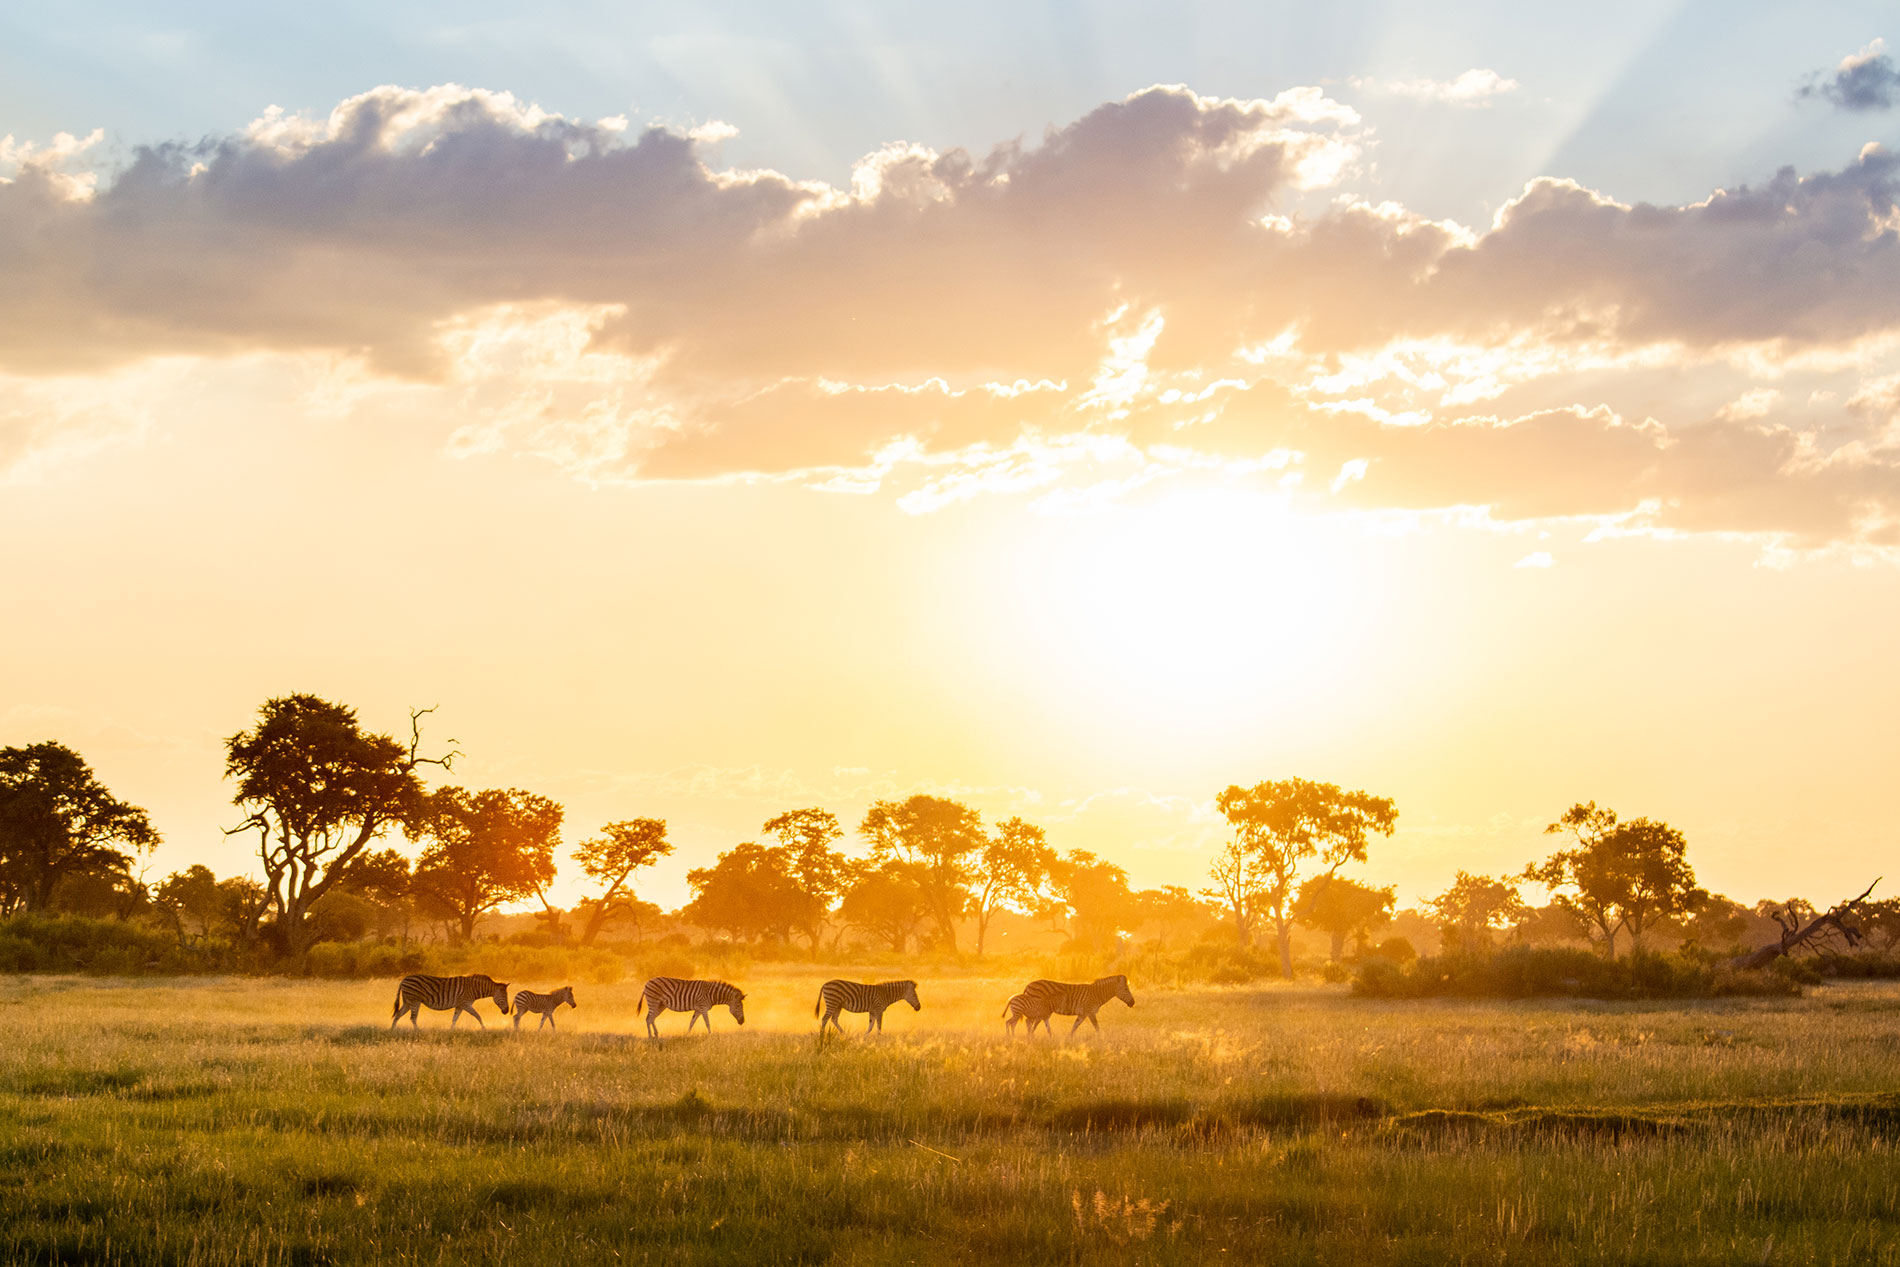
1474 909
1012 872
317 790
59 824
485 848
1523 972
611 858
1622 876
940 836
1343 908
1280 827
887 901
1096 896
36 942
809 838
750 892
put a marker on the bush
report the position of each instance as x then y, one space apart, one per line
1522 972
104 947
1334 972
1226 963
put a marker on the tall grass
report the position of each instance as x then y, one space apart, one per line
240 1120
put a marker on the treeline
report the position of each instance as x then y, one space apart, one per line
322 799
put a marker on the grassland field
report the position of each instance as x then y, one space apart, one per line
264 1121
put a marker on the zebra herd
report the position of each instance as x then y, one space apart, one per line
1038 1001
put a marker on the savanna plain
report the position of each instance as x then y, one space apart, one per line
233 1120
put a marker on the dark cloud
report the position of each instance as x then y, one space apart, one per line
1865 82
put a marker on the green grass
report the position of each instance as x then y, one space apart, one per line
270 1121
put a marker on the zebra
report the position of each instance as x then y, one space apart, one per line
1079 1001
416 991
663 994
1020 1008
855 996
528 1001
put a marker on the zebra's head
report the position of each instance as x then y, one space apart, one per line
500 995
565 995
910 996
1121 989
736 1005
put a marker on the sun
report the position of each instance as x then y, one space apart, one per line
1196 609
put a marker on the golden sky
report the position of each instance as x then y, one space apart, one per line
1183 437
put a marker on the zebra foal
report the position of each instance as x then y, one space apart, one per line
1062 998
416 991
855 996
528 1001
676 994
1019 1008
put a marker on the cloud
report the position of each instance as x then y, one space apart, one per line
1863 82
1535 559
1159 286
1473 88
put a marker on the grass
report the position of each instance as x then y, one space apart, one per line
272 1121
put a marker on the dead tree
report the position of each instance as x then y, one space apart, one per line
1815 934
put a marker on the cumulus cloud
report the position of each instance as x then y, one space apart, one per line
1863 82
1153 287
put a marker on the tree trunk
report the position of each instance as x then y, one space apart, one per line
1339 944
1794 935
1284 930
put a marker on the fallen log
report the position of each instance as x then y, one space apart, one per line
1794 934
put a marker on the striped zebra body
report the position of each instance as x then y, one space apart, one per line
1019 1008
675 994
528 1001
1062 998
416 991
855 996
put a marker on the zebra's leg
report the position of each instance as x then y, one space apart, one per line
1078 1024
517 1018
549 1018
415 1016
1097 1024
455 1017
871 1018
653 1030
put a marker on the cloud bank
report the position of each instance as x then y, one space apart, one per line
1170 283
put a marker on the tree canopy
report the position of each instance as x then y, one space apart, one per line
611 858
485 848
59 823
1343 908
1282 827
1011 873
940 835
1621 876
750 892
1474 909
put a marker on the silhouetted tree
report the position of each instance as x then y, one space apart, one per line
190 900
384 879
809 837
1881 922
939 834
1011 873
1172 913
317 790
611 858
1621 876
1097 897
750 892
887 901
486 848
1474 909
1282 825
1343 908
245 904
58 823
1241 883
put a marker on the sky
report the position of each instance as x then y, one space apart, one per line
1071 408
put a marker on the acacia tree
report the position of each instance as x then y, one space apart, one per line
317 790
1240 885
1474 909
1096 895
940 835
611 858
486 848
809 837
1622 876
1011 873
57 823
191 901
1283 825
1343 908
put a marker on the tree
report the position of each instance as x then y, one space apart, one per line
486 848
191 901
1474 909
245 904
809 837
1010 873
1172 914
58 823
1097 897
1281 825
385 880
887 901
1621 876
940 835
1804 929
611 858
1240 885
1343 908
749 892
317 790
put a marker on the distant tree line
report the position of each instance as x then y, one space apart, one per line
321 798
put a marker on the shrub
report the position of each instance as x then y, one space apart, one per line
1521 972
1226 963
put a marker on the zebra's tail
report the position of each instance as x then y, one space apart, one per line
642 1003
395 1009
1005 1011
819 1006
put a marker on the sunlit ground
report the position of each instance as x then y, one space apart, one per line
277 1121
